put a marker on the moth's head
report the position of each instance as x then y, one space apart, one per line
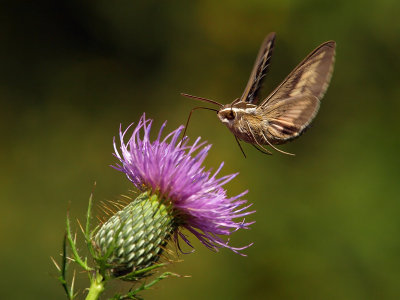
227 114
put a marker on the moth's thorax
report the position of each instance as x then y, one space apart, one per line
242 120
230 114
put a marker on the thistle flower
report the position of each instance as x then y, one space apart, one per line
177 193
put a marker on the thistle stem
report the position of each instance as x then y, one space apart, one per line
96 288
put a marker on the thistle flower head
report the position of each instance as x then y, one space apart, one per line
169 172
175 171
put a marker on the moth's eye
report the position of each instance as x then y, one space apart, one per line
231 115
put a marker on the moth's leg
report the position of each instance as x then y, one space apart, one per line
240 146
265 151
262 151
281 151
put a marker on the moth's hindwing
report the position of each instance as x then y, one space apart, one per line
288 118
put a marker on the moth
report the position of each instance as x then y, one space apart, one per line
288 111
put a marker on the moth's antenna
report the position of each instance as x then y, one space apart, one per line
202 99
190 114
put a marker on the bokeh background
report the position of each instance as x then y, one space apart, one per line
327 222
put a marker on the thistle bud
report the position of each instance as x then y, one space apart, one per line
134 238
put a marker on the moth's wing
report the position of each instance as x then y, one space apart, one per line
310 77
260 69
288 118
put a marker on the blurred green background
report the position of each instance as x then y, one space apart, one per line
327 224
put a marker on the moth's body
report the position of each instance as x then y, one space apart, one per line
265 126
289 109
240 120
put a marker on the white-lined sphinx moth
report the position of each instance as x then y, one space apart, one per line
288 110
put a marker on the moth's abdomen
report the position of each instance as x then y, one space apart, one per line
277 133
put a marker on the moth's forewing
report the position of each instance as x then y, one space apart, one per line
260 69
310 77
288 118
291 107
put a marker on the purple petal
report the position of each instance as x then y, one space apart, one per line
174 169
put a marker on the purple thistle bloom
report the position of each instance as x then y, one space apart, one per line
173 169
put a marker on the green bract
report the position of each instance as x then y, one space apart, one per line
134 237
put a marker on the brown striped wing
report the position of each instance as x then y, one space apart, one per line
260 69
288 118
310 77
291 107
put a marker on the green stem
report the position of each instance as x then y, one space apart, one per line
74 250
96 288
